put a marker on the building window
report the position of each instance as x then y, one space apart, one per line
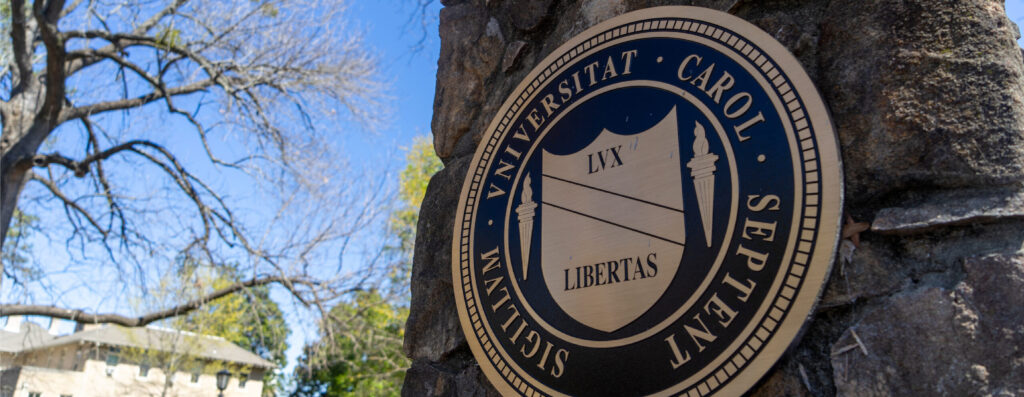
143 370
34 394
242 377
112 359
65 395
195 377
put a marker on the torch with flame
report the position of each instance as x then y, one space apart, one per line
526 211
702 169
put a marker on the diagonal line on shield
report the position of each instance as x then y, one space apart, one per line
612 193
615 224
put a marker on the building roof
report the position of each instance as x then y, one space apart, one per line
30 335
169 340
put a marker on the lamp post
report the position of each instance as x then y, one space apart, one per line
222 381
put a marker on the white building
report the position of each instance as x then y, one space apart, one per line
106 361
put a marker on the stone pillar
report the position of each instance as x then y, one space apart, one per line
928 101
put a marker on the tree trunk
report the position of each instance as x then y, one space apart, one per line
23 134
11 186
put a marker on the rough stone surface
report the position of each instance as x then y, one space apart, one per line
786 381
871 271
526 15
512 53
967 340
470 52
950 209
924 93
433 330
928 100
425 378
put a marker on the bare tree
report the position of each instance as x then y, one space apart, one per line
98 92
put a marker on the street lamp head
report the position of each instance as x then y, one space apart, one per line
222 379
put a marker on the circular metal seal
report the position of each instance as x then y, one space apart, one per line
653 211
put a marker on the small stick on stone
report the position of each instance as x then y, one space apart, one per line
859 343
803 375
844 349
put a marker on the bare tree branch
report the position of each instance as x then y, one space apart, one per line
67 201
263 85
81 167
156 18
96 108
70 8
21 38
81 316
46 15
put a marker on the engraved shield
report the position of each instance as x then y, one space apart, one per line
613 224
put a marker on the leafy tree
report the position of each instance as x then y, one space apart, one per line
144 131
360 350
421 164
16 260
249 319
366 358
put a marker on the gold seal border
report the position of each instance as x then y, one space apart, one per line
812 262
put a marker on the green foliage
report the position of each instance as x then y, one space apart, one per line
421 164
17 249
169 37
267 8
249 318
365 357
360 351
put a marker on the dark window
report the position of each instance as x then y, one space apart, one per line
34 394
112 359
242 377
195 377
65 395
143 370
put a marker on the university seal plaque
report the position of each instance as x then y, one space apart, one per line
653 211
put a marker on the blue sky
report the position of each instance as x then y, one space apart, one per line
393 31
408 61
1015 10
